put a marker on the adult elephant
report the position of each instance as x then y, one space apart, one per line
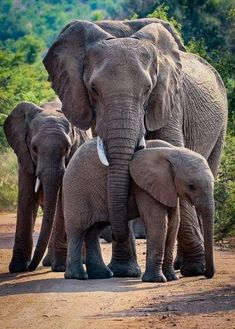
43 141
128 79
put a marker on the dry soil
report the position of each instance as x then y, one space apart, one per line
42 299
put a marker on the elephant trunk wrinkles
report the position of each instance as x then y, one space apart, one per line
208 228
121 142
51 181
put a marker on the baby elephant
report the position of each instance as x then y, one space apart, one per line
160 175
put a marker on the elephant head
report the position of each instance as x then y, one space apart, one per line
43 141
168 173
120 77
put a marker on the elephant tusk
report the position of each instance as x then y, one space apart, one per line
37 185
101 152
142 144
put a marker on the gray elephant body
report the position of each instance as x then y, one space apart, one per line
158 175
130 78
44 142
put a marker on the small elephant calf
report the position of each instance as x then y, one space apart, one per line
160 175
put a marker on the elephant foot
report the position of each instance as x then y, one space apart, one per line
58 263
178 262
58 267
47 260
192 268
74 273
99 272
170 275
18 265
153 277
125 268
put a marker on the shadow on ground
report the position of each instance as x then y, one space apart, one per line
219 300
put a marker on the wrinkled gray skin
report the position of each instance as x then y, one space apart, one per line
130 78
160 175
43 141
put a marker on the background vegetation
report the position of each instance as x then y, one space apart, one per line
27 28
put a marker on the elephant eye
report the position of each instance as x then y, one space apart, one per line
192 187
67 149
94 90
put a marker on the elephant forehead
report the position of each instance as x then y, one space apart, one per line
119 50
48 124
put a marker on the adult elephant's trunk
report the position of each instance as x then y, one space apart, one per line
207 214
121 141
51 182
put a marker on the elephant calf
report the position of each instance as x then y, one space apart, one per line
44 141
160 175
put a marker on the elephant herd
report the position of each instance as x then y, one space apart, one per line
139 134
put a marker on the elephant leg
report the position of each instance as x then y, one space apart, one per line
155 218
124 259
190 242
59 245
139 228
215 156
74 265
96 268
106 234
26 215
173 227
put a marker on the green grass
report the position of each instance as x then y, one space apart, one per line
8 181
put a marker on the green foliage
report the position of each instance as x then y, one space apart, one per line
46 18
22 76
225 192
8 181
161 12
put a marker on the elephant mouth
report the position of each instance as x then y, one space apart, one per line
102 151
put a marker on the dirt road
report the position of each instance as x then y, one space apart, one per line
43 299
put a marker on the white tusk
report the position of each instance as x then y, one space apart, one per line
37 185
101 152
142 144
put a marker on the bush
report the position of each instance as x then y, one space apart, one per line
225 192
8 181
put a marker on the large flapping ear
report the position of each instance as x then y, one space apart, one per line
151 170
64 63
140 23
164 96
16 129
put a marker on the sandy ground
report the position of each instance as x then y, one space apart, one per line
43 299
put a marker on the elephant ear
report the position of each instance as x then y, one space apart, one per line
16 129
151 170
64 63
165 94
